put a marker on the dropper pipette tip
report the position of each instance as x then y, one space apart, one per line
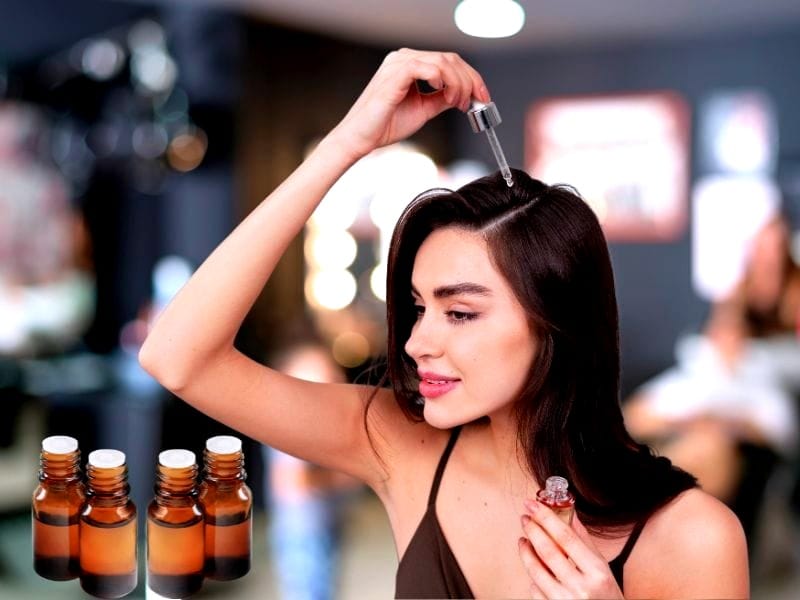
484 117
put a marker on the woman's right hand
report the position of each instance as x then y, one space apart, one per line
391 108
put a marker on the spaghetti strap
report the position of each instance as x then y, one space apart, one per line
618 564
437 478
628 547
428 567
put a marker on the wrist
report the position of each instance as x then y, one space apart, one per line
327 162
343 146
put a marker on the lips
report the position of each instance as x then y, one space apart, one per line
433 385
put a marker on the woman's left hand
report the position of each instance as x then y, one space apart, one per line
562 561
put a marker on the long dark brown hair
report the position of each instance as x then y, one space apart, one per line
548 244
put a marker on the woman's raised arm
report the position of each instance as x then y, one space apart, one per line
190 348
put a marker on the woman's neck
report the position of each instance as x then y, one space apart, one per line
501 453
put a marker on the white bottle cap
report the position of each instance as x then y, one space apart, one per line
59 444
176 459
106 459
224 444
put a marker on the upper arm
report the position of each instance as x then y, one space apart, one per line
692 548
323 423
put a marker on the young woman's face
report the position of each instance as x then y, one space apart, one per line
471 342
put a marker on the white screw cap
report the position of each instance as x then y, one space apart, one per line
176 459
59 444
106 459
223 444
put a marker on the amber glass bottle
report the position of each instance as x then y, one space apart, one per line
557 496
175 528
227 504
108 528
55 509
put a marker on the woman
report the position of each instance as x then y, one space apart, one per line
722 412
509 354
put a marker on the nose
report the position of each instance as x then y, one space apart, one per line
423 341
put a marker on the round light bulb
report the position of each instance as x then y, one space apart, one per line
489 18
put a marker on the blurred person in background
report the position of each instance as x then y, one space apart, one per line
46 279
46 286
306 501
770 292
728 411
721 413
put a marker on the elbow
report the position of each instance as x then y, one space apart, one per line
158 364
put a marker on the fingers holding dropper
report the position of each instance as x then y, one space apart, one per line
395 105
459 82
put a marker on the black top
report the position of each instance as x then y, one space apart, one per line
429 569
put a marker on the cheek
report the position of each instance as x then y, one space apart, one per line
520 351
503 360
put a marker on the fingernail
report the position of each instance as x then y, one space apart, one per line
531 505
525 520
521 541
484 93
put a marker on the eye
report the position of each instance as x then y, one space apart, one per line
458 316
419 310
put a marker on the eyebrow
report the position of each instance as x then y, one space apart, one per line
457 289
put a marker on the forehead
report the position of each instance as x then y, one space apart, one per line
452 255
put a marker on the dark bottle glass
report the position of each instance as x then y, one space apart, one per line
108 528
556 495
227 504
55 509
175 528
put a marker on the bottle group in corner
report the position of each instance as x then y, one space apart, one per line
55 509
227 504
108 562
88 531
175 528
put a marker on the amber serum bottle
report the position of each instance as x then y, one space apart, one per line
56 508
227 504
108 528
175 528
557 496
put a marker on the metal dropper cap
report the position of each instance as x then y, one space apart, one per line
485 117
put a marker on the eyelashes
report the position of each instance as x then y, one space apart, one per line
456 317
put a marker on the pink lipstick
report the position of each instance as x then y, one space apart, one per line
433 385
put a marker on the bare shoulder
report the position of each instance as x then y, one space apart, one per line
694 547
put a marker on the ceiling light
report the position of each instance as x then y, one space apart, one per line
489 18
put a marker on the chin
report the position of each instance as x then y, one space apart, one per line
439 417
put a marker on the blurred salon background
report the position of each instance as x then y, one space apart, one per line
135 135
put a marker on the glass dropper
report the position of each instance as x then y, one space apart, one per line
485 117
